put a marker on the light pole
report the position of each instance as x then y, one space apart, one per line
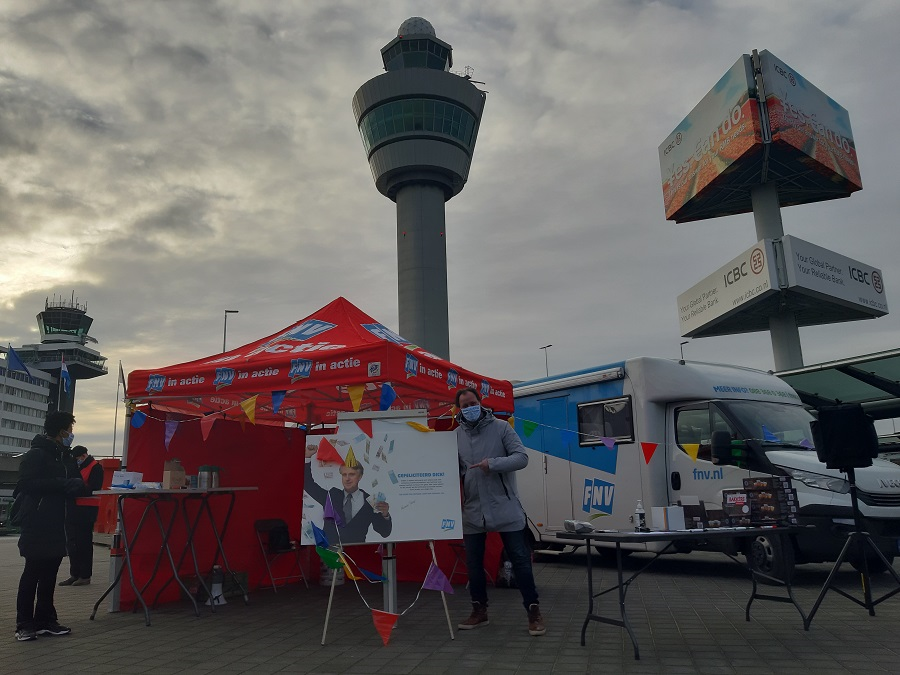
682 348
225 328
546 362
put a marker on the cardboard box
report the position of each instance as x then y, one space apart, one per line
768 483
667 518
173 475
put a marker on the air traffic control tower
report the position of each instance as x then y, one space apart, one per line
418 123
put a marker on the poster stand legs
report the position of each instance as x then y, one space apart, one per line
443 595
389 572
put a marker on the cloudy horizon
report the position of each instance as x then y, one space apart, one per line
166 161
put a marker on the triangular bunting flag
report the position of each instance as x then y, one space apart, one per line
319 535
349 573
388 396
350 460
512 422
608 442
328 453
649 449
436 580
138 419
277 400
206 424
249 408
528 427
330 558
371 576
419 427
365 426
379 550
384 623
330 512
567 436
356 394
691 449
171 426
768 435
806 443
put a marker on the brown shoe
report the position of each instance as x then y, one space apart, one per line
477 619
535 620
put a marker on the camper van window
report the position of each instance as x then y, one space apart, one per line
610 418
692 427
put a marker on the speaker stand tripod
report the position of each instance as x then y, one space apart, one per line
858 541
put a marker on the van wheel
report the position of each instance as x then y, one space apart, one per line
772 556
875 564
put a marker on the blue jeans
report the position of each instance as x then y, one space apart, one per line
517 550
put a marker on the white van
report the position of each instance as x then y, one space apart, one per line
653 409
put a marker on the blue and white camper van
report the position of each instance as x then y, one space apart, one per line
601 439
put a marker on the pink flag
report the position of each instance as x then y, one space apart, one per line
436 580
206 425
171 426
608 442
330 512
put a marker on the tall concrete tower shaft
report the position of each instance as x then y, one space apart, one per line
418 124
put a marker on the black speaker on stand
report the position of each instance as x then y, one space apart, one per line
846 440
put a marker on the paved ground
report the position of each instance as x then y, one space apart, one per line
687 612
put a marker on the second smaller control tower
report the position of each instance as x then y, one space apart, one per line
418 123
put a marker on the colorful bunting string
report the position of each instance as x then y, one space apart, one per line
365 426
277 400
171 426
388 396
206 424
249 408
384 623
356 393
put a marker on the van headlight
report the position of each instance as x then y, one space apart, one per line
820 481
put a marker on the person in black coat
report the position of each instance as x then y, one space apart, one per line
358 514
47 477
81 515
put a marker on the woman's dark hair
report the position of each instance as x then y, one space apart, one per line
79 450
57 421
467 389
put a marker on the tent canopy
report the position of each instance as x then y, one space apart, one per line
335 360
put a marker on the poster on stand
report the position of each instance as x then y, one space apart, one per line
402 484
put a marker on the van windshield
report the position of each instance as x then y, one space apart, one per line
777 425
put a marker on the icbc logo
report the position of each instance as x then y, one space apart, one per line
757 261
877 283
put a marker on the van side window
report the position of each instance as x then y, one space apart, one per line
610 418
692 427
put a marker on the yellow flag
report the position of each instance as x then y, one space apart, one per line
356 394
249 407
350 574
350 460
419 427
512 422
691 449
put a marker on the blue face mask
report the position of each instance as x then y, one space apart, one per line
67 441
472 413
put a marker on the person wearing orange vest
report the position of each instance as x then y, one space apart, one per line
80 518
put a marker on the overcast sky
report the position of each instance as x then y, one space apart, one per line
170 160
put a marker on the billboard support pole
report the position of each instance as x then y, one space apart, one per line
783 329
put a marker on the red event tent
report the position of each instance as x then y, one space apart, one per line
304 374
311 369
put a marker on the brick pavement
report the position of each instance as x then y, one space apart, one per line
687 613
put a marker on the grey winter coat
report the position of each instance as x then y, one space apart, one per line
490 500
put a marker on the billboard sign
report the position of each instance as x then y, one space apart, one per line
746 280
817 272
803 117
721 129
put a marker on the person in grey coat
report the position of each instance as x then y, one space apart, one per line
490 453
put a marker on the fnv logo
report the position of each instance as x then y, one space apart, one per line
448 524
224 377
598 496
411 367
300 368
383 332
485 389
156 383
452 379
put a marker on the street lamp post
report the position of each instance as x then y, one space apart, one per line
546 362
225 328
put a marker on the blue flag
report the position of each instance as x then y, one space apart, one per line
388 395
64 376
769 436
15 363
